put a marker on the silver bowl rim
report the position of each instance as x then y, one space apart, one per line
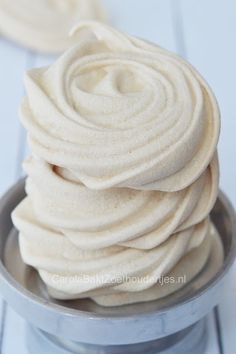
63 310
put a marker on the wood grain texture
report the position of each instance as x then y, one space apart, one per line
12 65
227 313
209 29
14 337
149 19
212 345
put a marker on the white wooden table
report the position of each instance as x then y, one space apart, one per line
203 31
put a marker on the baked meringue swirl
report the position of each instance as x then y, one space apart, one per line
119 112
43 25
124 169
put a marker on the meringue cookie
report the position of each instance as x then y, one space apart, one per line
123 173
119 112
106 275
53 254
43 25
93 220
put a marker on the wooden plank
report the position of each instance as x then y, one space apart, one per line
227 313
12 65
3 307
150 19
14 338
209 28
212 345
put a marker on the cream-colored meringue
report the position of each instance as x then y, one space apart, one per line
185 270
70 272
43 25
93 220
123 172
119 112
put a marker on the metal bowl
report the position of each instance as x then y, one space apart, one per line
168 325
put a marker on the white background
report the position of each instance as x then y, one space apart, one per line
203 31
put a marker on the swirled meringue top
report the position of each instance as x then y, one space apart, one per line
43 25
117 111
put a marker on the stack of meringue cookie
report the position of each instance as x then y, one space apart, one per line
43 25
123 172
